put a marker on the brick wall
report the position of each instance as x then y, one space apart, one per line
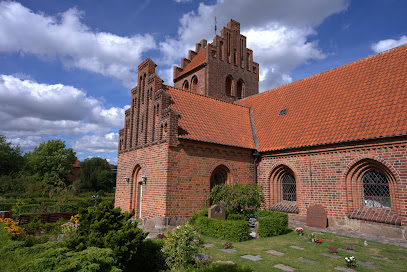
190 167
323 176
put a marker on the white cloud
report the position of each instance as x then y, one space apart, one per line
31 110
279 32
65 38
182 1
107 143
387 44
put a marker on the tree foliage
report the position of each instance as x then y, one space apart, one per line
11 159
106 227
52 162
95 172
238 198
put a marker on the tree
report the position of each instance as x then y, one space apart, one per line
94 174
52 162
11 159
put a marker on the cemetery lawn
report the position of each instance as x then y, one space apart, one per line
392 258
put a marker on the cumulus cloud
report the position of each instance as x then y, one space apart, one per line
65 38
387 44
279 32
39 110
98 144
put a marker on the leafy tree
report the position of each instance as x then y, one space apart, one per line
11 159
106 227
52 162
238 198
93 173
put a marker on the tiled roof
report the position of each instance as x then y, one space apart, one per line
210 120
195 62
365 99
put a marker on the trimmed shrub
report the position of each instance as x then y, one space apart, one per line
197 214
150 257
234 216
273 225
6 206
233 230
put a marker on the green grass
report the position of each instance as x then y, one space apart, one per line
311 251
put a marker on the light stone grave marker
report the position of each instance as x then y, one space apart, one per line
252 258
297 247
307 261
273 252
284 267
330 255
228 250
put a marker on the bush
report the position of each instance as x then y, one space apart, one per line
224 268
234 216
6 206
54 257
196 215
107 227
273 225
238 198
150 257
181 247
233 230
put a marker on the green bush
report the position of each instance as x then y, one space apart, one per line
234 216
181 247
196 215
53 257
6 206
107 227
224 268
238 198
150 257
273 225
233 230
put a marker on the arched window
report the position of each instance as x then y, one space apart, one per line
239 88
283 190
288 187
376 191
229 85
220 175
185 86
194 84
221 50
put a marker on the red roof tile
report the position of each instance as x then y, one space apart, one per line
364 99
210 120
195 62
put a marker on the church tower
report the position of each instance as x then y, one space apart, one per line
223 69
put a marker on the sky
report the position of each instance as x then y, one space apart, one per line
67 67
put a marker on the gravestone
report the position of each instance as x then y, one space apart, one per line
316 217
217 211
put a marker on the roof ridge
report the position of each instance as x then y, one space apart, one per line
330 70
231 103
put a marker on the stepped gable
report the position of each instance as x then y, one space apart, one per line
365 99
210 120
195 62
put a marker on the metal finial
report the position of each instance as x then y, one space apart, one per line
215 26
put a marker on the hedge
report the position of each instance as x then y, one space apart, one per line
233 230
234 216
275 223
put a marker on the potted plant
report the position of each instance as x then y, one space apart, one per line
226 245
312 235
333 249
318 241
350 262
300 231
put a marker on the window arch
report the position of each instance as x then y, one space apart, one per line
239 88
185 85
221 50
229 85
372 192
194 84
283 190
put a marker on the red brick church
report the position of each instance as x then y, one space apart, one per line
337 139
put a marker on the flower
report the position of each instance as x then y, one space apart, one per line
299 230
350 261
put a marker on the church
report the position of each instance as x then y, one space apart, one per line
335 139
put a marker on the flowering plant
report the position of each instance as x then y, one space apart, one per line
226 245
318 241
12 228
160 236
349 247
333 249
299 230
69 228
350 261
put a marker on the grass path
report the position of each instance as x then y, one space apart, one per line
397 256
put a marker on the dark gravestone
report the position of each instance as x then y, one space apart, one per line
316 217
217 211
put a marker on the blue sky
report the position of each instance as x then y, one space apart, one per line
67 67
